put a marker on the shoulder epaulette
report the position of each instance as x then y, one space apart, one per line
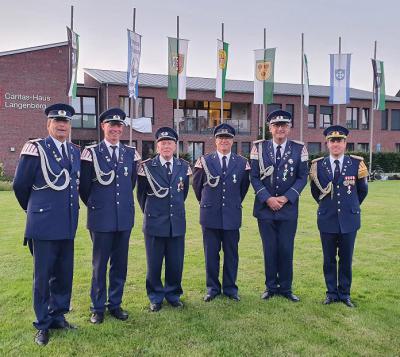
30 148
76 145
149 159
298 142
357 157
317 159
86 155
184 161
91 146
258 141
34 140
130 147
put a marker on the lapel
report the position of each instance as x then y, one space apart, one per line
176 168
326 164
105 154
159 170
122 151
232 164
216 164
72 157
286 154
52 152
269 154
346 166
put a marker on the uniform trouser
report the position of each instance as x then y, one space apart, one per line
52 280
173 250
278 243
113 247
341 244
212 241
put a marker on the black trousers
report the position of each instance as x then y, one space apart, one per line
213 239
173 250
52 280
338 275
278 244
109 247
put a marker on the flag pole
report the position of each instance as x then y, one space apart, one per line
70 63
263 105
177 84
132 101
372 118
222 96
302 88
338 105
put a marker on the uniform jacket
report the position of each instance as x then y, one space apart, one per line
110 207
163 217
288 179
221 206
51 214
339 210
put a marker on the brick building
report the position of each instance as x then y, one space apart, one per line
32 78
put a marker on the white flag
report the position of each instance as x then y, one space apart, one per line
340 79
306 82
142 125
134 51
177 63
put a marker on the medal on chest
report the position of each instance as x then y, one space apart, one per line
181 185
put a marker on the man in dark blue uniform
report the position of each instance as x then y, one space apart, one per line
46 186
339 185
163 185
220 182
278 175
109 172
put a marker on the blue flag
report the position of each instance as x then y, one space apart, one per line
134 51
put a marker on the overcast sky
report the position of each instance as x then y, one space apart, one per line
103 41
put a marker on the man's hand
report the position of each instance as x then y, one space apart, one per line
274 204
282 200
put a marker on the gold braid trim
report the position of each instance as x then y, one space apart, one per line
314 176
362 170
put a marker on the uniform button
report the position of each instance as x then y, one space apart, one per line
172 196
117 193
277 186
338 202
337 186
71 204
92 207
338 194
72 196
223 204
172 214
338 209
117 184
170 186
117 203
276 194
223 197
72 186
41 210
117 176
223 183
223 190
170 205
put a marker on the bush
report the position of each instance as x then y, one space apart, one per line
386 161
5 186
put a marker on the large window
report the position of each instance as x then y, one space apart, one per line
145 107
350 146
352 118
395 122
85 113
272 107
290 109
246 148
325 116
195 149
314 148
234 147
364 118
397 147
363 147
385 119
312 116
147 149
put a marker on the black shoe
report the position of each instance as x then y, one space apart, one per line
348 302
97 318
62 325
267 295
119 314
176 304
209 297
291 297
329 300
234 297
42 337
155 307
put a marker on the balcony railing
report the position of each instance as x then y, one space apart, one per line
200 125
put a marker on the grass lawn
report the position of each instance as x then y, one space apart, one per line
252 327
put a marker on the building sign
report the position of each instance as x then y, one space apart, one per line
23 101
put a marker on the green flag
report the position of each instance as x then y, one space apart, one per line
379 85
264 76
177 68
222 63
73 42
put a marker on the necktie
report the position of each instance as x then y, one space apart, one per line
337 171
278 155
65 157
168 168
114 154
223 165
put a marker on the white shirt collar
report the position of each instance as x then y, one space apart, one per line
109 144
332 161
59 143
228 156
283 146
163 161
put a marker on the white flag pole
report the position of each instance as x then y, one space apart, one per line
302 88
340 63
371 148
263 105
177 84
222 96
132 101
69 59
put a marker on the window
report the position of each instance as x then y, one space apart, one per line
395 123
363 147
325 116
290 109
385 119
246 149
272 107
83 143
195 149
397 147
365 119
145 107
350 146
234 147
352 118
312 116
314 148
85 113
147 149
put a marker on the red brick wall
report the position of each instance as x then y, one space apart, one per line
43 73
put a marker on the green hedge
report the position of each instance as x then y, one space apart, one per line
387 161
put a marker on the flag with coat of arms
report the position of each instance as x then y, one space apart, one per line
222 63
264 67
339 78
177 62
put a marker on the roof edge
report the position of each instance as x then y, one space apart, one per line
35 48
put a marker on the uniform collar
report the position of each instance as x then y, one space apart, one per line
220 156
332 160
108 144
58 143
283 145
163 161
